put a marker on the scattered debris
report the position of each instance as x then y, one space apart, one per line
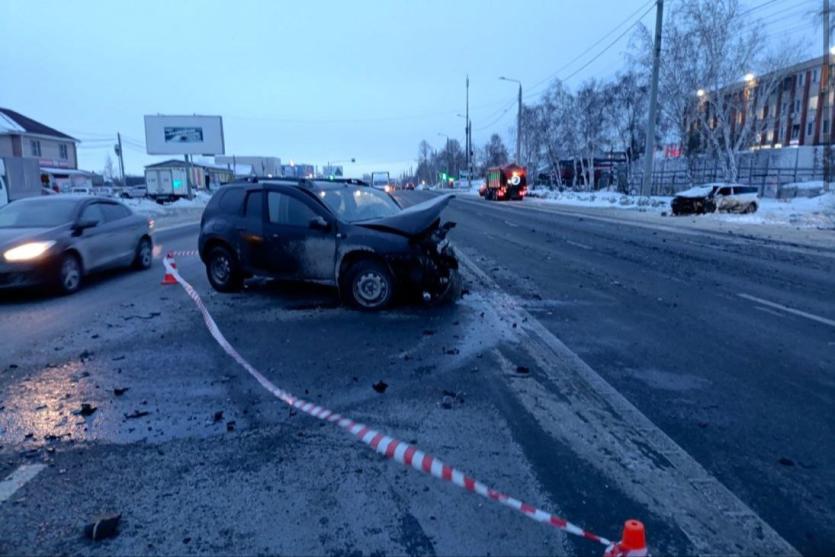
702 425
12 366
118 358
786 461
104 527
151 315
230 426
86 410
218 417
95 336
428 332
522 370
380 386
136 414
29 436
453 351
85 355
446 402
119 391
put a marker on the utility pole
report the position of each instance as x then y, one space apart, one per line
120 152
519 128
467 137
826 86
649 154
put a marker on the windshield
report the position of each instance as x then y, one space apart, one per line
37 213
359 203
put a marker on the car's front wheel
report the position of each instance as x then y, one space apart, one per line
144 254
369 286
70 273
223 270
750 208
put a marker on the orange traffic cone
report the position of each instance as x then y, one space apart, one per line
633 543
169 278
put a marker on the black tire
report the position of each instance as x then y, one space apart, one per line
750 208
368 286
452 292
144 256
223 270
69 275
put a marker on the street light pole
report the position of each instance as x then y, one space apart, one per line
649 154
518 120
467 137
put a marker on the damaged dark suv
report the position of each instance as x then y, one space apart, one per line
341 233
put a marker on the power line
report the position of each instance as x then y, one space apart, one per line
592 46
610 45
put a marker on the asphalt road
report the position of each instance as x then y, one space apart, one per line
599 369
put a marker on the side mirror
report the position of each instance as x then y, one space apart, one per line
318 222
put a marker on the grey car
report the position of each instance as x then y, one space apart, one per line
57 240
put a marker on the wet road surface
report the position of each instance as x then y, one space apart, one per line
686 402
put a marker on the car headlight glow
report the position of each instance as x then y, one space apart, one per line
27 251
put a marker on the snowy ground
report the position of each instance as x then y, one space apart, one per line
817 211
180 211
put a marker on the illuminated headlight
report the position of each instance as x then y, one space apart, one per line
25 252
388 189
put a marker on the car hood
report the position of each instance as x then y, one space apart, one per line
696 192
13 236
413 220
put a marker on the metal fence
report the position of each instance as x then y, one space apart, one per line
770 182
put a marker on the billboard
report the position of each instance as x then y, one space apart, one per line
184 135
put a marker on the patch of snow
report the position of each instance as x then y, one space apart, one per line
800 212
602 199
152 208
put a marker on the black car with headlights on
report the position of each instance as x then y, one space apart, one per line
56 240
336 232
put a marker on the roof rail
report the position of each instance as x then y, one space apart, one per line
300 181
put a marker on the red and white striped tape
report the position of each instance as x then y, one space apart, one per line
184 253
391 448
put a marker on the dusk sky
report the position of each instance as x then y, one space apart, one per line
304 81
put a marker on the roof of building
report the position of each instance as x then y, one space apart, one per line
178 163
15 122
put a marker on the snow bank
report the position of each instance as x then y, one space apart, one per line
799 212
602 199
154 209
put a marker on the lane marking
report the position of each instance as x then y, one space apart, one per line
788 309
576 406
511 224
578 244
18 479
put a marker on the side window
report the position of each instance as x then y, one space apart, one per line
725 191
114 211
254 205
93 212
232 201
288 210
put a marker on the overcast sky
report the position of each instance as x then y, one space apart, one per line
308 81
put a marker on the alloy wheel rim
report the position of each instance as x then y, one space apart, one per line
145 254
220 268
70 274
371 289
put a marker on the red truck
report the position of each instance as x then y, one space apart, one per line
505 182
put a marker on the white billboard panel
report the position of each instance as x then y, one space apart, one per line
184 135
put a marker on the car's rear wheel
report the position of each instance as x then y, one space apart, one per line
144 254
369 285
223 270
70 273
